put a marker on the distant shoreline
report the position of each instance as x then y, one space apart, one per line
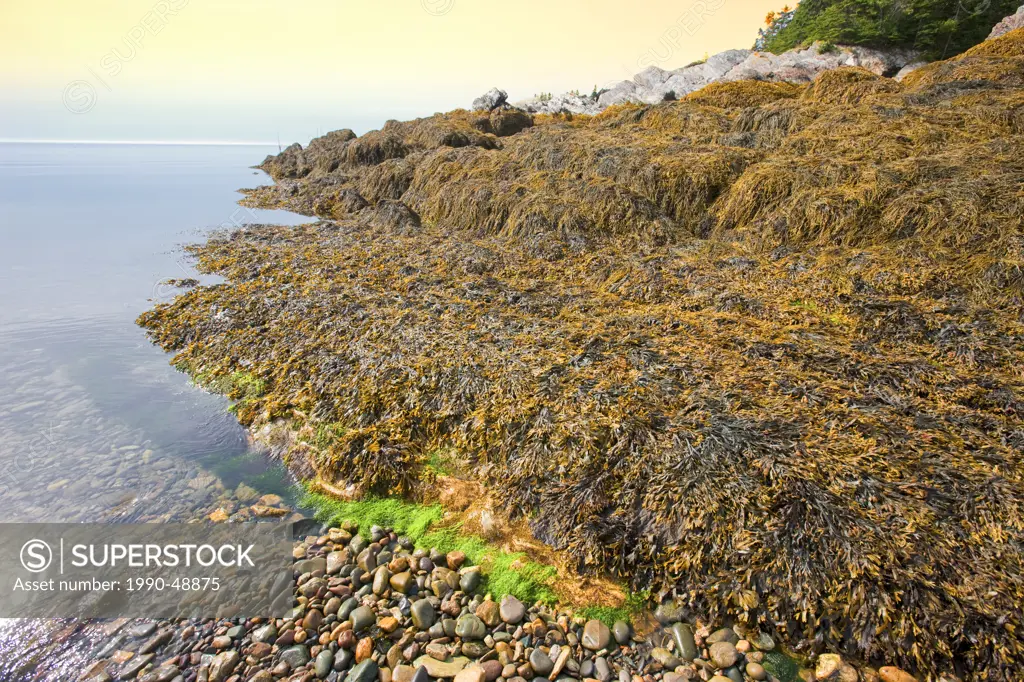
170 143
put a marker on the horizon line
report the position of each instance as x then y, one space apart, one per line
210 143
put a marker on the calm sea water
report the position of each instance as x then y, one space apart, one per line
94 424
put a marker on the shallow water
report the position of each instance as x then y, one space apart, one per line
94 423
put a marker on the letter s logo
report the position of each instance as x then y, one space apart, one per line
36 556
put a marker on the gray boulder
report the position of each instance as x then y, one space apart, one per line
492 99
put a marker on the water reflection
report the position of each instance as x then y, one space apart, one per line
95 426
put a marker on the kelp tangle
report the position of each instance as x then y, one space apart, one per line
759 349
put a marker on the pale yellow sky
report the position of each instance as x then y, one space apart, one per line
253 69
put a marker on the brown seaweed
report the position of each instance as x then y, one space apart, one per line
759 348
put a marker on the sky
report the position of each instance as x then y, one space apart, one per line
269 70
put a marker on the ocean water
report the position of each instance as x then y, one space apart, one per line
95 425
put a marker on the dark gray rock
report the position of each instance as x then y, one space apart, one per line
541 663
686 647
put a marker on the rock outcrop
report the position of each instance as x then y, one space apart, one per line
490 100
654 84
1010 23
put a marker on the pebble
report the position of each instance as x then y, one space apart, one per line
470 580
892 674
132 667
682 634
223 665
622 632
470 626
471 673
724 635
295 656
756 672
723 654
448 668
665 657
541 663
512 610
362 618
367 671
324 663
488 612
596 635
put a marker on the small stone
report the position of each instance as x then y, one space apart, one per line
402 582
474 649
832 668
541 663
734 674
560 662
492 670
437 651
756 671
362 618
335 560
364 649
157 641
403 673
724 635
380 580
622 632
686 647
446 668
264 511
596 635
602 671
313 620
762 642
423 614
472 673
512 610
723 654
488 612
367 671
295 656
324 663
455 559
470 627
893 674
132 668
470 580
665 658
388 624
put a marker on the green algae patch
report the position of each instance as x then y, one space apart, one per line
781 666
504 572
634 604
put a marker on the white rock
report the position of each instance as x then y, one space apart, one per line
1010 23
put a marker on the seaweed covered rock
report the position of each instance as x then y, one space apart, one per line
761 355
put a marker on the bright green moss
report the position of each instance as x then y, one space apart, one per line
504 572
